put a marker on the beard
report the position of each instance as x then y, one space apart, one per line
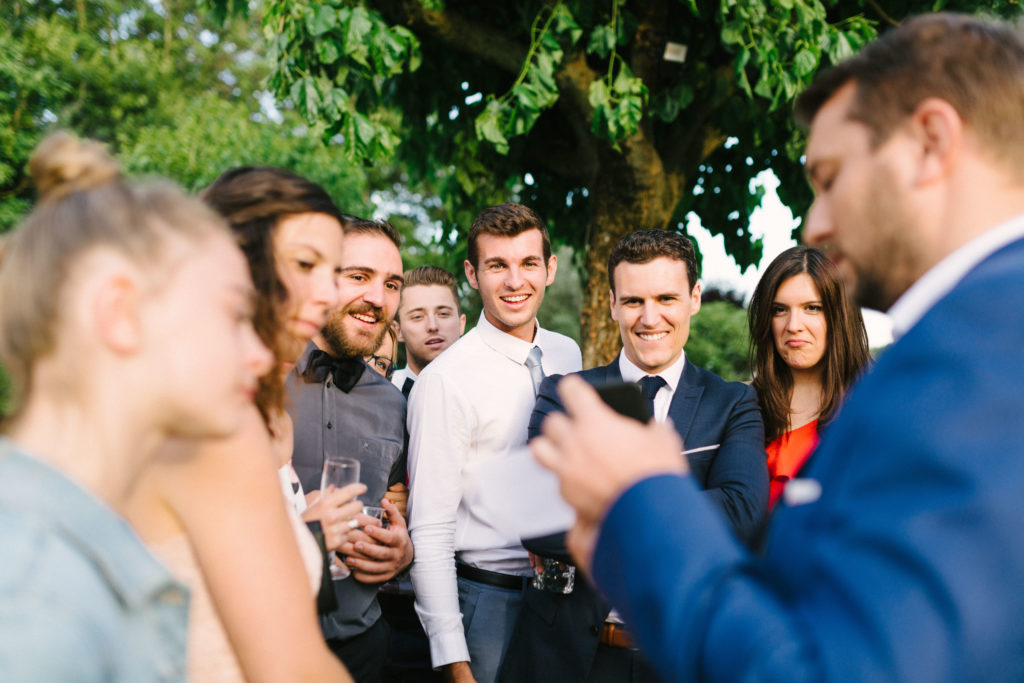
347 344
894 263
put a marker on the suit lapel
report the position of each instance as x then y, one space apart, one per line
686 399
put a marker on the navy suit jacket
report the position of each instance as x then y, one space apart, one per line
910 564
556 636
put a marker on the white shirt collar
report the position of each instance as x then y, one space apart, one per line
947 273
631 373
504 343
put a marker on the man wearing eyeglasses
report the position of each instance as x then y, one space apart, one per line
340 405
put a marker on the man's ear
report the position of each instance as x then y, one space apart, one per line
398 331
939 131
116 315
471 274
552 269
462 324
611 304
695 299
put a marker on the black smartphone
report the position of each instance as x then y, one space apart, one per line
625 398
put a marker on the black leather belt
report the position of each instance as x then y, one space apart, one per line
485 576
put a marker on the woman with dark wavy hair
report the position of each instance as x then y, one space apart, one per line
219 518
807 346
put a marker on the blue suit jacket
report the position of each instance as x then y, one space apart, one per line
556 636
910 566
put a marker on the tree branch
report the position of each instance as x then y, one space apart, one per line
451 28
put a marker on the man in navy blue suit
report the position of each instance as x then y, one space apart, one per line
900 554
654 292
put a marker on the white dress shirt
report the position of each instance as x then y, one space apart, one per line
947 273
672 374
473 402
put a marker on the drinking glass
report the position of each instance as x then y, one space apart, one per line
338 472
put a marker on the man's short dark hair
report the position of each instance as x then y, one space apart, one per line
506 220
432 275
351 225
644 246
975 65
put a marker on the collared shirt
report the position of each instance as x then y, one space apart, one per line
81 598
366 423
944 276
663 399
398 379
472 403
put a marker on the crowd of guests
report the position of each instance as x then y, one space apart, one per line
184 366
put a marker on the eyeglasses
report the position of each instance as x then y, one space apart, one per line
384 365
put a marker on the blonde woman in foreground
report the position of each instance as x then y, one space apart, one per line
125 319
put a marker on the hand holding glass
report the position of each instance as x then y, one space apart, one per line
338 472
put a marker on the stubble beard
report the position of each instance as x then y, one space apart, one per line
893 265
342 344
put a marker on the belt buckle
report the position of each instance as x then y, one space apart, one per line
555 576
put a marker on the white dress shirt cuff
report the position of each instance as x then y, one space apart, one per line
446 648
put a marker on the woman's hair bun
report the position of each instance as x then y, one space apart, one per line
63 164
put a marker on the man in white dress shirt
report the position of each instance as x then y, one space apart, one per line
430 319
470 404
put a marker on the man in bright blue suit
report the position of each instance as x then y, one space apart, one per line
899 556
653 293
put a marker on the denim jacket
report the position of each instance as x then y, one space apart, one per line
81 598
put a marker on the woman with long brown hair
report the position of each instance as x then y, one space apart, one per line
808 344
221 519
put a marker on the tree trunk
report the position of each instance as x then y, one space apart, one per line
632 191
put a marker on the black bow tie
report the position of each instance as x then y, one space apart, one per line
346 371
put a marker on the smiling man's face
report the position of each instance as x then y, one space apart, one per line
511 274
652 303
368 292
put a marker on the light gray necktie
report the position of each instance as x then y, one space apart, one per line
536 370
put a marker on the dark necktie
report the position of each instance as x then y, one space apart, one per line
407 386
650 386
346 371
535 368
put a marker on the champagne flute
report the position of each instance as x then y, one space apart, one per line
338 471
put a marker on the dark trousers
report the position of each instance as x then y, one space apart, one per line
364 655
409 657
621 665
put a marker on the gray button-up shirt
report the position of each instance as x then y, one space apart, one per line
366 423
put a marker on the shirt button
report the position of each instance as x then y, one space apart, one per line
330 425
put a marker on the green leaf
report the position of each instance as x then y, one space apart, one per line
805 63
565 22
598 95
840 48
327 51
358 26
488 126
321 20
602 41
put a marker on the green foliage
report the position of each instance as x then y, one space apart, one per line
172 94
719 340
618 98
534 90
334 61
